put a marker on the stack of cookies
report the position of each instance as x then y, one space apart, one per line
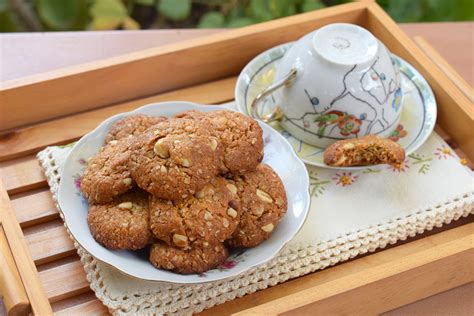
190 186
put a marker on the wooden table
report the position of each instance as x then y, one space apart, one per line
30 53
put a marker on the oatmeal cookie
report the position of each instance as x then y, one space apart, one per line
122 223
131 126
106 175
175 159
241 137
196 260
364 151
210 216
263 203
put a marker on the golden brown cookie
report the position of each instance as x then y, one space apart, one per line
131 126
263 202
210 216
106 175
175 159
196 260
241 137
122 223
364 151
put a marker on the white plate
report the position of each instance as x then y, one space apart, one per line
278 154
417 120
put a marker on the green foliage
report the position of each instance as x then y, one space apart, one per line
62 15
212 20
240 22
175 10
65 15
111 14
429 10
6 21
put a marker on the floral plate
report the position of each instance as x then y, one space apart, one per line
417 119
278 154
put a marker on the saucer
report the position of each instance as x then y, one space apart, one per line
417 119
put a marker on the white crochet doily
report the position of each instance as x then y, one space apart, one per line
352 213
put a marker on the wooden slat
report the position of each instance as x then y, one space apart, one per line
34 207
64 281
22 174
455 114
357 276
61 131
24 262
49 244
436 57
93 307
12 289
155 70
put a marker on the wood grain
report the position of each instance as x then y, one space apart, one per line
438 262
156 70
22 174
24 262
34 207
64 130
64 281
11 287
453 105
49 244
93 307
452 74
356 276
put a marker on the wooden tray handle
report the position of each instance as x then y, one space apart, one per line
11 288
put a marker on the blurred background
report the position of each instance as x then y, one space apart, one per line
76 15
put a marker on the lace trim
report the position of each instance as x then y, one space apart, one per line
293 261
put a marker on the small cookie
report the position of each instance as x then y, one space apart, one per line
241 137
106 175
211 215
195 260
263 203
175 159
132 126
364 151
122 223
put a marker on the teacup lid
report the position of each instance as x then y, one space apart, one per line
345 44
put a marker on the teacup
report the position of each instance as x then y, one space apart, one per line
335 83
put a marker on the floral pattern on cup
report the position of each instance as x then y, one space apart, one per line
347 123
397 100
398 133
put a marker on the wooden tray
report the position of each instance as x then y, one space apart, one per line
40 268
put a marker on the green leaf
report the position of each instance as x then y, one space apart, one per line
326 118
405 10
310 5
130 24
260 10
3 5
211 20
145 2
240 22
107 14
237 11
61 15
175 10
321 131
6 22
281 8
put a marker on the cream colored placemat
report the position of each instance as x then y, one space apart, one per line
352 213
